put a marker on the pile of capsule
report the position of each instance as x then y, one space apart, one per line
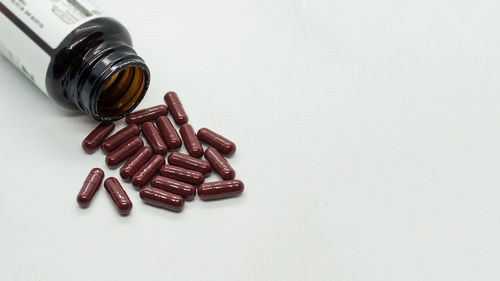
177 180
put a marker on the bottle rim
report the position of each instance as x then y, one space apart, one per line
113 83
120 90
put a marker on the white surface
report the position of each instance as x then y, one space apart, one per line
367 136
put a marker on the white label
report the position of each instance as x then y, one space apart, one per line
24 53
50 20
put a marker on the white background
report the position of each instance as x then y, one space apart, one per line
368 140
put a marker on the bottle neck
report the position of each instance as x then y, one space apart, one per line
110 81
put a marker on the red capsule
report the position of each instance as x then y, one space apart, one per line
189 162
220 189
90 187
118 195
154 138
175 107
133 164
123 152
219 164
147 114
120 137
146 172
162 198
176 187
95 138
222 144
168 132
191 141
182 174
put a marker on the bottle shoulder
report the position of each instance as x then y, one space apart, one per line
95 31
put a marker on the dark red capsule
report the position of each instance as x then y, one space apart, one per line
147 171
191 141
189 162
147 114
169 133
222 144
90 187
154 138
176 109
161 198
95 138
182 174
176 187
133 164
220 189
120 137
123 152
118 195
219 164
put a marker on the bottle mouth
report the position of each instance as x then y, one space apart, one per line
122 92
113 81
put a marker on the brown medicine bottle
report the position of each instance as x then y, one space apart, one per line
75 54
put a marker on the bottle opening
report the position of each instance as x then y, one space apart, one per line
122 92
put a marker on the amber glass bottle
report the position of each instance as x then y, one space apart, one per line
74 54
